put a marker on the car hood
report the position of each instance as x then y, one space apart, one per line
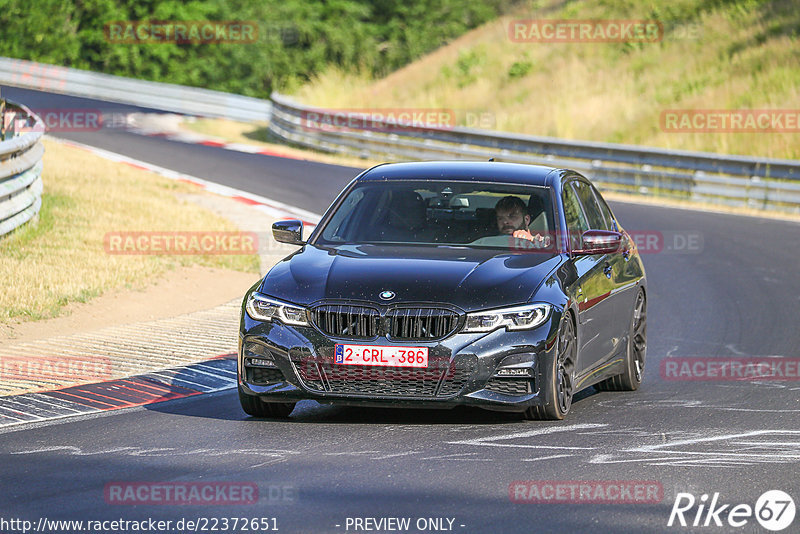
469 278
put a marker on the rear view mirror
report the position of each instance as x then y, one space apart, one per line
599 242
290 232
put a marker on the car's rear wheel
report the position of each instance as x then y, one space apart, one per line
557 387
631 379
256 407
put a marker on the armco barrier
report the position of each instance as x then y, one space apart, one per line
154 95
20 167
733 180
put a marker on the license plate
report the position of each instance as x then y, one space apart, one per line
380 355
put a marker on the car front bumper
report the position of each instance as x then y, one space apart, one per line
463 369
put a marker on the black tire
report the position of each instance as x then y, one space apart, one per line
557 383
635 352
254 406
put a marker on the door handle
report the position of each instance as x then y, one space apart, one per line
607 269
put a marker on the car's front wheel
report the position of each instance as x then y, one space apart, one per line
254 406
557 387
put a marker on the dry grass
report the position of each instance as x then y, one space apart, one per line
736 55
61 258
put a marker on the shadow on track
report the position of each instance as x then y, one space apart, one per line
225 405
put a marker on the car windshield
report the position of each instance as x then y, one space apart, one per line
443 213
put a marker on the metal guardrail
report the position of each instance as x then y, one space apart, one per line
20 166
156 95
733 180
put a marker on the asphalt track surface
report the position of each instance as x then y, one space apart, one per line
736 295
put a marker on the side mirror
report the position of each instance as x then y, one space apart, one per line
290 232
599 242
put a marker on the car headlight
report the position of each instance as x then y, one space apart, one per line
263 308
516 318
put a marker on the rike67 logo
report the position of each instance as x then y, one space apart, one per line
774 510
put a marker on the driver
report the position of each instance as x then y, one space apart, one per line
513 219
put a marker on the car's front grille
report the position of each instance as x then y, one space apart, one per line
341 320
262 376
421 323
390 381
457 376
509 386
439 379
363 322
309 373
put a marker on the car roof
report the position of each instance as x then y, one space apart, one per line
461 171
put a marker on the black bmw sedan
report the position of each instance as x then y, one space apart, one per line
505 286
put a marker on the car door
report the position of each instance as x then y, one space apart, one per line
591 289
626 272
611 325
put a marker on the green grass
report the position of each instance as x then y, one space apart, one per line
14 244
741 54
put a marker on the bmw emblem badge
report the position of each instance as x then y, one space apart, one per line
387 295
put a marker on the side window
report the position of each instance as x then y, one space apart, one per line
576 222
590 206
612 224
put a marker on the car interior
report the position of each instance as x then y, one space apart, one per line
432 215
